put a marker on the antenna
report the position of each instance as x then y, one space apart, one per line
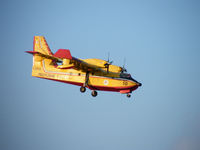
124 69
108 57
124 62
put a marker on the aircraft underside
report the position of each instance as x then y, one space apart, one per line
94 88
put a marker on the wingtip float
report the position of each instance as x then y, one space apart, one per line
94 74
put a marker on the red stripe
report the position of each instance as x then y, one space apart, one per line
34 43
69 82
100 88
113 89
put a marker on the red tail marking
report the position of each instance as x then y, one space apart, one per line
34 44
32 52
63 53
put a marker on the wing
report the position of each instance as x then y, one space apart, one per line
64 56
86 67
78 64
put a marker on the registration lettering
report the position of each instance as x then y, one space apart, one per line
46 75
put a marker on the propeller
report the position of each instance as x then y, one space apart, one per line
108 63
123 68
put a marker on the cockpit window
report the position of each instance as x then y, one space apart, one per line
127 76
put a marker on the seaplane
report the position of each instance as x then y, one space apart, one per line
94 74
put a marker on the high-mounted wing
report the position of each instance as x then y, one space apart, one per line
85 67
69 61
64 56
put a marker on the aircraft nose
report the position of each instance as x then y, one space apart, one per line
139 84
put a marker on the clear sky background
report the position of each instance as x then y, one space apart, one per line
161 43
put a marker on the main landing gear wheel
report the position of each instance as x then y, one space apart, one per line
128 95
82 89
94 93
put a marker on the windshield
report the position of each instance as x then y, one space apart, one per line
127 76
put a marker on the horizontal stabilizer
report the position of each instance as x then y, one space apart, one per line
32 52
44 55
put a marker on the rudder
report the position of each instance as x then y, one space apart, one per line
40 45
40 49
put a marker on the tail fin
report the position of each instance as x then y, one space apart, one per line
41 55
40 45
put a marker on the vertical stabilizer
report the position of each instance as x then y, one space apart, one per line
40 45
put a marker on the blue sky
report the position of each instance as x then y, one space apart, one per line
161 43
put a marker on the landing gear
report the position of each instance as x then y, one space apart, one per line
82 89
128 95
86 79
94 93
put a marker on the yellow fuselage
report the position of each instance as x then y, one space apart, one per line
43 68
95 74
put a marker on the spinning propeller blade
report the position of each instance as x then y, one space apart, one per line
108 63
123 68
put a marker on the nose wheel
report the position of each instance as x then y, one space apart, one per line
128 95
94 93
